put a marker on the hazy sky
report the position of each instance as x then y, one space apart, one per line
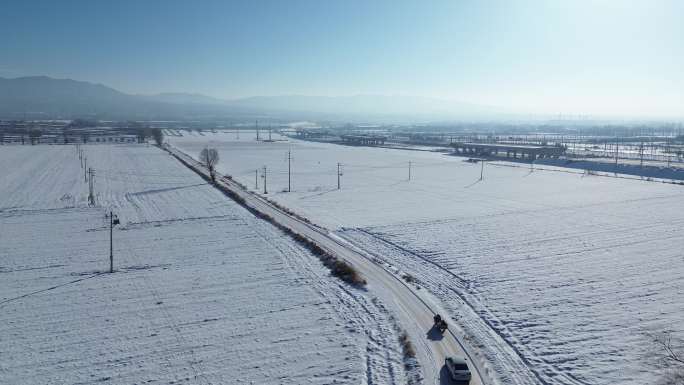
593 56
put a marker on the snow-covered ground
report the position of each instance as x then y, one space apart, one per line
552 272
203 293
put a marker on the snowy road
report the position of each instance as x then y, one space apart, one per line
413 310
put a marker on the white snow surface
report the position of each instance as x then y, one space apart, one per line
203 293
555 276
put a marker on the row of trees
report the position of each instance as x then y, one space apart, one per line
34 135
156 133
79 130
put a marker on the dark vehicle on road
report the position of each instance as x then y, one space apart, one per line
440 323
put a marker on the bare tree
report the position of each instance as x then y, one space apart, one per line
158 136
210 157
34 135
669 357
143 133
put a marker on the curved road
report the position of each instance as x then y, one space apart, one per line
412 311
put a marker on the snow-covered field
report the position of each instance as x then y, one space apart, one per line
556 276
203 293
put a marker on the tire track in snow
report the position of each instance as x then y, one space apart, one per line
181 341
381 355
476 309
166 357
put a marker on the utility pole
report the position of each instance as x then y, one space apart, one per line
113 220
111 242
265 192
338 176
256 125
91 195
85 169
269 133
580 138
667 152
256 179
289 168
409 170
482 162
616 152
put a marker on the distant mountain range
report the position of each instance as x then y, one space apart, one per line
44 97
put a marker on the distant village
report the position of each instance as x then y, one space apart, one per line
72 131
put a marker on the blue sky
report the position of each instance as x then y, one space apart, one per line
581 56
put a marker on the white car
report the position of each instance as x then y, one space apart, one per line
458 368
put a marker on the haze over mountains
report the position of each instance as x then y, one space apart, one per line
44 97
